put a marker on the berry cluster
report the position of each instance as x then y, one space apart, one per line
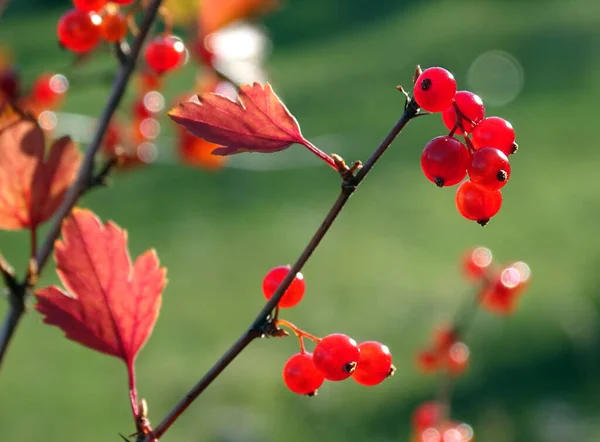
336 357
500 286
483 155
429 425
82 28
45 94
133 143
447 353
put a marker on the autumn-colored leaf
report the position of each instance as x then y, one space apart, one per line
258 122
214 14
109 305
33 184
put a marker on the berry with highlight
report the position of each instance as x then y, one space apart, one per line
301 376
293 294
476 203
374 365
336 356
445 160
435 89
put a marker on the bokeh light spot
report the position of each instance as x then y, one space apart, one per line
497 77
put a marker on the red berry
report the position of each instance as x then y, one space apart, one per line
427 362
113 27
202 51
294 293
476 203
374 365
165 53
502 294
89 5
301 376
476 262
489 168
443 339
445 161
336 356
78 31
435 89
495 132
457 358
9 83
140 110
470 106
426 415
48 89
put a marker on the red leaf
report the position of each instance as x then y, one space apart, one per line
110 305
259 122
32 186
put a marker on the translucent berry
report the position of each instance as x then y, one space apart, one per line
113 27
489 168
495 132
10 86
427 362
374 365
202 51
427 415
165 53
89 5
435 89
476 203
470 106
294 293
502 294
336 356
48 89
301 376
457 358
445 160
79 31
476 262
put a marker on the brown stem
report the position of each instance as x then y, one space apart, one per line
264 317
17 298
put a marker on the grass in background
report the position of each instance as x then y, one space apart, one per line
387 271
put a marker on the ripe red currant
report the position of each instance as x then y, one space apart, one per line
336 356
165 53
294 293
374 365
445 160
89 5
427 415
202 51
301 376
457 358
435 89
48 89
495 132
476 262
476 203
427 362
9 83
113 27
78 31
489 168
472 111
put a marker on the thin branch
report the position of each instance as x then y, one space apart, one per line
262 321
17 298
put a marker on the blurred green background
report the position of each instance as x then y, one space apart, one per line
389 268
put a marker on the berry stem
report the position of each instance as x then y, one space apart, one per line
17 296
264 317
297 331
